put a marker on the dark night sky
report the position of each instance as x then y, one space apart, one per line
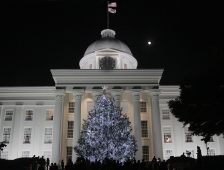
36 36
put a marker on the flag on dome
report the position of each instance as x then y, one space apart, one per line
111 7
112 4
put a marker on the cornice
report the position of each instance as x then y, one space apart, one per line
27 93
115 77
24 89
169 92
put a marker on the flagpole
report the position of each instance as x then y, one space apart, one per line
107 15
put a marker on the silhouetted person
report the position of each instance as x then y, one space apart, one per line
69 165
154 159
34 162
163 165
183 155
62 165
154 163
55 167
207 151
199 155
42 162
159 161
52 166
48 163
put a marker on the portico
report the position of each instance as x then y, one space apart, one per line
127 88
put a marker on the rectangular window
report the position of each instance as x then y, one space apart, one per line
165 115
167 135
211 152
144 125
8 115
49 114
25 154
125 66
71 107
145 152
168 153
4 155
29 115
27 136
48 135
69 153
6 134
143 107
70 129
188 135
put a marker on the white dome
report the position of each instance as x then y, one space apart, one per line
108 45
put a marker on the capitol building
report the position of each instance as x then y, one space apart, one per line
46 121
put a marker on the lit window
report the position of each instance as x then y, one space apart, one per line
8 115
143 107
25 154
166 115
188 135
145 152
6 135
167 135
27 135
70 129
167 154
71 107
144 129
29 115
69 153
48 135
49 114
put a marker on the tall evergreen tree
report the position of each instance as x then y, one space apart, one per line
200 106
106 134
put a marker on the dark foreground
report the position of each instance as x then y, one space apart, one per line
174 163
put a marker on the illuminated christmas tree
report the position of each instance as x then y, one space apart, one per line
106 134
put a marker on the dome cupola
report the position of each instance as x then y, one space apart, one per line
108 53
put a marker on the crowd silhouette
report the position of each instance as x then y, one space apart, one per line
39 163
174 163
112 165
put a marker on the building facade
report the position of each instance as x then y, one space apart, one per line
46 121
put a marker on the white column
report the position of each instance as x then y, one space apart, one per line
117 97
77 120
156 126
137 124
15 131
57 127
